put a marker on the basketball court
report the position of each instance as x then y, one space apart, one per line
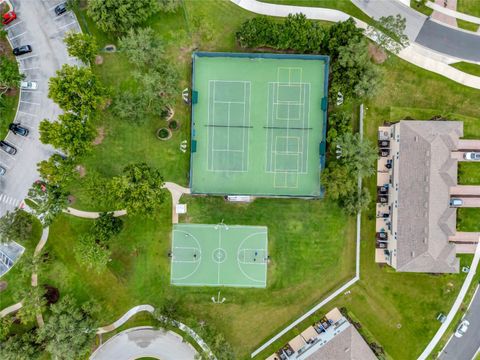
258 124
219 255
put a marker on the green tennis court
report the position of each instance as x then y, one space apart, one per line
258 124
219 255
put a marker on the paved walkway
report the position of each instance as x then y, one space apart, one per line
176 191
145 341
441 15
466 190
125 317
416 54
458 302
464 236
468 145
91 214
453 13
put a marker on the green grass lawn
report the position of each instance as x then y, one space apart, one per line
311 242
14 276
470 7
468 173
468 219
466 25
7 114
473 69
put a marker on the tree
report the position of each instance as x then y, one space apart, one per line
33 303
82 46
339 123
300 34
20 347
139 189
259 31
354 74
48 201
355 201
118 16
69 330
5 325
141 46
389 33
92 254
56 170
130 106
10 77
341 34
357 154
72 133
338 180
158 86
169 5
106 226
15 226
76 89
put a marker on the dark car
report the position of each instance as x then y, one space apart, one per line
61 9
2 171
8 148
18 129
21 50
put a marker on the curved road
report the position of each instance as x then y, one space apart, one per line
464 348
423 31
145 342
36 25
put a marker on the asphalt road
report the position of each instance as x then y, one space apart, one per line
464 348
426 32
145 342
38 26
449 41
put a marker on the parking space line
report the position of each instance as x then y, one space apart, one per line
32 68
11 26
10 156
12 38
29 102
23 112
61 16
26 57
72 23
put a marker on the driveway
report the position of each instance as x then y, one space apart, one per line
464 348
465 190
37 26
428 33
140 342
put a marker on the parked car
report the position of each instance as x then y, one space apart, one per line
8 148
22 50
462 328
29 85
472 156
2 171
456 202
8 17
18 129
61 9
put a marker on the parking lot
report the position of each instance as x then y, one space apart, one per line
38 26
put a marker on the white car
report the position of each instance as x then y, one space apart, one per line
472 156
29 85
462 329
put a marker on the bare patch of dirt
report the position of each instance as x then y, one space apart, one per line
100 136
3 285
105 104
81 170
71 199
99 59
377 54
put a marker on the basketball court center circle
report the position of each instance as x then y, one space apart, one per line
219 255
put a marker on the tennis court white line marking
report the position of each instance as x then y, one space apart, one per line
228 102
249 120
228 150
213 123
209 153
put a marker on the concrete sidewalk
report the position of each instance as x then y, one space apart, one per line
415 54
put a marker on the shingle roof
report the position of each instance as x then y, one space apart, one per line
347 345
426 172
